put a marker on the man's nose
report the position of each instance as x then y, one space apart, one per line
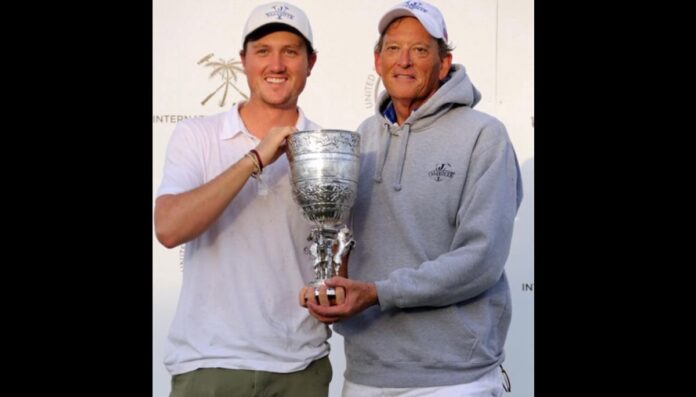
277 62
405 58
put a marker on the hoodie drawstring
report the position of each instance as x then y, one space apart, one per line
402 156
382 155
384 149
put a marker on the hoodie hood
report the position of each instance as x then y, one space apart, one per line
455 91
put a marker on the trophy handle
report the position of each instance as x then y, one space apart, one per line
345 243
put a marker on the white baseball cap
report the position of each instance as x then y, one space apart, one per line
278 12
428 15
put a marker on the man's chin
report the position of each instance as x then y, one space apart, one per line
405 95
279 101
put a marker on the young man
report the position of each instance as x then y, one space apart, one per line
226 194
427 305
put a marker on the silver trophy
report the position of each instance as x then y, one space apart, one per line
324 170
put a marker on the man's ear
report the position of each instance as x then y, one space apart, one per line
378 64
445 65
312 60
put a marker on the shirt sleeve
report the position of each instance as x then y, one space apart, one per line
183 166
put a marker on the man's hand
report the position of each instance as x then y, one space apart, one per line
273 144
358 297
308 293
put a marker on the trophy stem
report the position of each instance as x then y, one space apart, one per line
329 247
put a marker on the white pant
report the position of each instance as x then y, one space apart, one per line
489 385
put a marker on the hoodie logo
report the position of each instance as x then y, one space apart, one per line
280 12
441 171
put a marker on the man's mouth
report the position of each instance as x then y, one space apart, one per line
276 80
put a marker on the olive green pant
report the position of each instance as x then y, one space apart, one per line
312 381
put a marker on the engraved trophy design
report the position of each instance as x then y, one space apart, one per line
324 170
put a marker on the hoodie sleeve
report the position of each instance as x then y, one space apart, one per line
481 242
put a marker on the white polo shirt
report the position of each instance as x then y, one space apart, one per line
238 302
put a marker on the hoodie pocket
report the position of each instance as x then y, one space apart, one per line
469 337
435 338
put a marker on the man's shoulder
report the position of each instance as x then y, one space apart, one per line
204 127
211 122
370 123
469 115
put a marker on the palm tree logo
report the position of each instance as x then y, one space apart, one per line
226 69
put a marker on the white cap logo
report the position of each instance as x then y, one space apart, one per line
280 12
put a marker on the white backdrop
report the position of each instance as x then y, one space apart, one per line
494 39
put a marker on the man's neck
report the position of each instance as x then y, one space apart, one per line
259 118
403 109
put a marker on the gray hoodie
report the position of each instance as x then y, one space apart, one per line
437 199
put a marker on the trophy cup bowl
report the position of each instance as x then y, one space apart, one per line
324 170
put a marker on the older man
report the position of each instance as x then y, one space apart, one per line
427 305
